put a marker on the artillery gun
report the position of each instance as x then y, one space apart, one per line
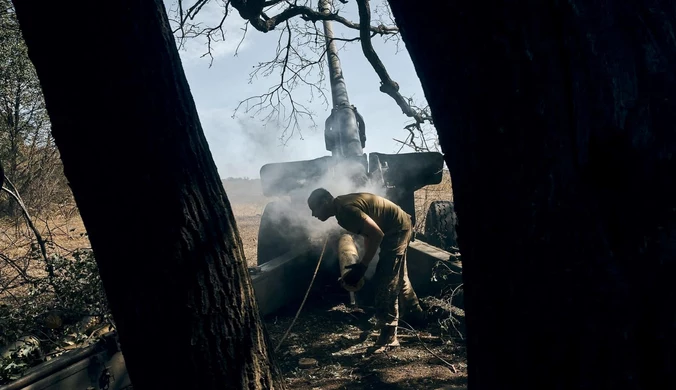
287 230
288 238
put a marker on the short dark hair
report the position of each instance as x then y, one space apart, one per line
318 196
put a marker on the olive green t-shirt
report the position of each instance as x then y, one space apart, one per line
351 210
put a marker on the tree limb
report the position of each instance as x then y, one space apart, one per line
294 68
256 14
387 85
271 3
21 272
41 242
310 15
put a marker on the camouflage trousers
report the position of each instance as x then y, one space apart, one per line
394 294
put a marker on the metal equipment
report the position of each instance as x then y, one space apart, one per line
288 235
287 224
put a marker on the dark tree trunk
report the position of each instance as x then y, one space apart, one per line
557 120
159 221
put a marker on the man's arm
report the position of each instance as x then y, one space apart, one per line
373 236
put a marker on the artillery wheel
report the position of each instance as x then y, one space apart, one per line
280 231
440 225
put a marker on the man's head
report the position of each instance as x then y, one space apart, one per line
320 202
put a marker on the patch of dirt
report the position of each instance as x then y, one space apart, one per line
329 344
62 233
19 250
248 218
340 339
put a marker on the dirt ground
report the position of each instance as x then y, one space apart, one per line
329 345
248 217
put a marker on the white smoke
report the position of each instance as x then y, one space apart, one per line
341 178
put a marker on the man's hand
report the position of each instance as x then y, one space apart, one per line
355 274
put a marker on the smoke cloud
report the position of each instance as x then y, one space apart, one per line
340 179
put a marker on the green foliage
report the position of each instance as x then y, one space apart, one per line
19 359
78 281
52 310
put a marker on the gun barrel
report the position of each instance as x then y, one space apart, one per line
338 87
344 132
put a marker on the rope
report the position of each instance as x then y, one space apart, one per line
305 298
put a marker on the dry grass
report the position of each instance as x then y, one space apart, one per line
63 233
66 232
248 217
329 336
427 195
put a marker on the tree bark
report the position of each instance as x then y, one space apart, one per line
557 124
141 172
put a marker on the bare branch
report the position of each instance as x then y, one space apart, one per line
387 85
41 242
190 13
294 67
266 24
186 29
16 267
412 329
15 195
246 29
422 137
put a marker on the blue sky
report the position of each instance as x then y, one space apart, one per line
241 145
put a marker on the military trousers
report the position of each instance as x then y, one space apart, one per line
394 294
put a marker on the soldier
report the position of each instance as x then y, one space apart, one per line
382 224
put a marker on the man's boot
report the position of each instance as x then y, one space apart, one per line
388 337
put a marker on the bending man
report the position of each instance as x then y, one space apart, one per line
382 224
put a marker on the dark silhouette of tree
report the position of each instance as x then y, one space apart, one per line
159 221
557 122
